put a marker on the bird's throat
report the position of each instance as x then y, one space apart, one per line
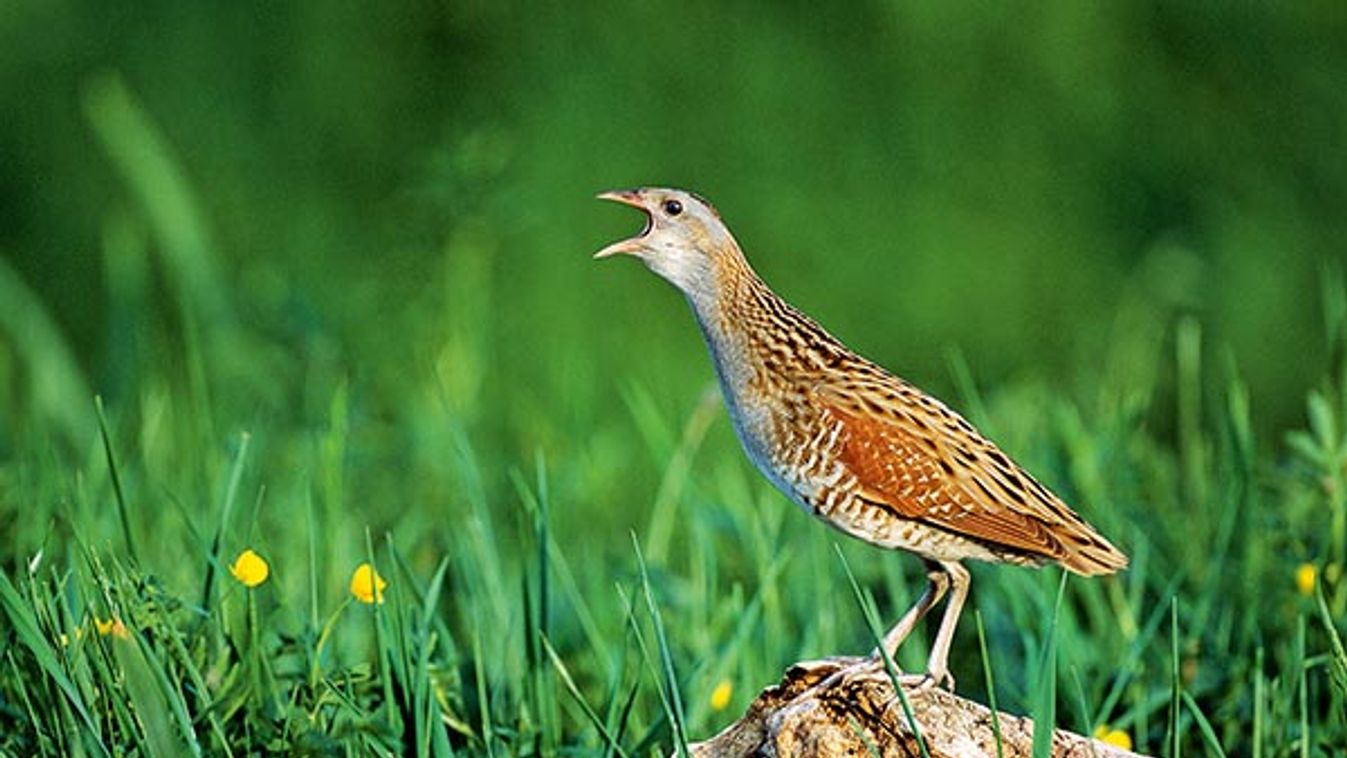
731 315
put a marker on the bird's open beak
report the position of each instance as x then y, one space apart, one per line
631 244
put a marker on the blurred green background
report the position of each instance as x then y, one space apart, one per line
919 176
261 206
240 216
362 234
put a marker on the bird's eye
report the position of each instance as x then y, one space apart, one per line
673 207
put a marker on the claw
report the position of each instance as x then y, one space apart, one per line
943 680
913 681
921 682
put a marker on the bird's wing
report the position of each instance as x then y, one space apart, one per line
911 453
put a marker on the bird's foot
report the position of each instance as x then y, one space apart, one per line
932 678
921 682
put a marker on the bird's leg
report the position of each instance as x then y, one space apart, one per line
935 589
937 666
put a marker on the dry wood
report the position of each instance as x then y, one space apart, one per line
847 707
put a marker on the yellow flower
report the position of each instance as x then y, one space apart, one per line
79 635
250 569
112 626
720 696
367 585
1115 737
1306 573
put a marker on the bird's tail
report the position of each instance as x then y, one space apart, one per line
1089 554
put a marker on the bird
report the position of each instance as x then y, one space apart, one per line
849 442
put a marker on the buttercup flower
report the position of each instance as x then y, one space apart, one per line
1115 737
250 569
79 635
112 626
1306 573
720 696
367 585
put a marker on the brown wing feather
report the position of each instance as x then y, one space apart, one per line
913 454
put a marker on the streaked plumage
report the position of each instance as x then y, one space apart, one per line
845 439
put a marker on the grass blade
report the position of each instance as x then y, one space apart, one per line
141 153
222 528
1176 685
677 719
1045 704
1302 689
26 629
1204 726
56 381
991 684
872 621
609 740
122 513
1338 659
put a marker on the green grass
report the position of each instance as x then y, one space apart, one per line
521 618
514 624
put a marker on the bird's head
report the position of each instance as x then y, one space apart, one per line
683 241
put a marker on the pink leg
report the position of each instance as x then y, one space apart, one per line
937 666
939 583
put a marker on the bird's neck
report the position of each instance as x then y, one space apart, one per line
727 302
744 322
749 330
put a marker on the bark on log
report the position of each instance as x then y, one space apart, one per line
847 707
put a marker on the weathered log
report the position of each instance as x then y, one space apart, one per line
847 707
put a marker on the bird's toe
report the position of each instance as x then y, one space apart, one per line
942 679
